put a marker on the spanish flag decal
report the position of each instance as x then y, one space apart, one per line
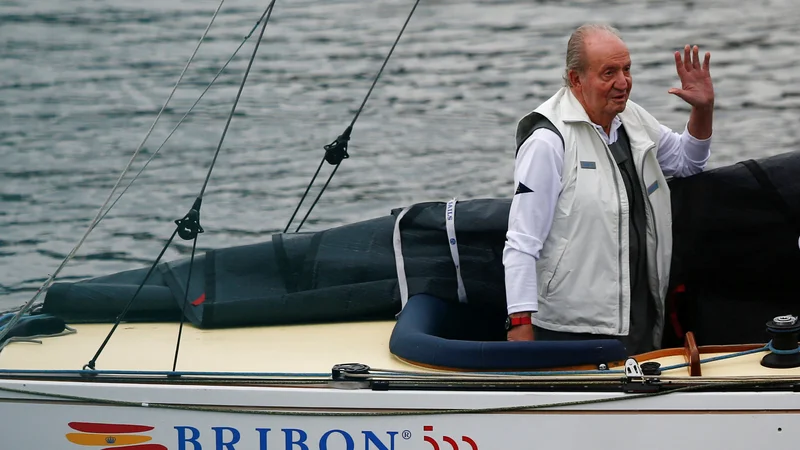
112 436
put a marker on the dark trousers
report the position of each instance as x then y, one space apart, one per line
541 334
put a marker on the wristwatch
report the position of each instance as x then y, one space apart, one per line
515 321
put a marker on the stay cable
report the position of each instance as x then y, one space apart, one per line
336 151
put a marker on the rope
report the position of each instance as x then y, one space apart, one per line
34 339
719 358
374 372
272 412
526 374
776 351
164 373
337 150
610 371
96 219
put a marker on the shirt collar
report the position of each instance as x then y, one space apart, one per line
615 124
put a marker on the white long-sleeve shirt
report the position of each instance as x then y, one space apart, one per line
538 167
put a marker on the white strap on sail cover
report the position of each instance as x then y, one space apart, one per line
402 282
450 224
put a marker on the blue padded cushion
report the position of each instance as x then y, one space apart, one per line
437 333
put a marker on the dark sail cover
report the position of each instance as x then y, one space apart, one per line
344 273
736 248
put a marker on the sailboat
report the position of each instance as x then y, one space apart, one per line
388 334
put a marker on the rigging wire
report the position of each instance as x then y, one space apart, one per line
94 222
208 177
236 102
213 80
175 128
336 151
187 227
183 309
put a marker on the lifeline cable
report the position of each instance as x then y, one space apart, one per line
336 151
370 413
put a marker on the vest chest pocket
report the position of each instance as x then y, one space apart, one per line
595 194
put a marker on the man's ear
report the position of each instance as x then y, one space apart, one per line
574 78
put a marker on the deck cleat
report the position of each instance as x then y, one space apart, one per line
350 376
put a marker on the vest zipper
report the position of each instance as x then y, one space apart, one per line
648 204
619 229
652 219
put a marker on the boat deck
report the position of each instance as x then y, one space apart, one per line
276 349
151 347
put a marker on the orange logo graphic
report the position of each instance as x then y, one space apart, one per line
112 436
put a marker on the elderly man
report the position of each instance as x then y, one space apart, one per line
589 240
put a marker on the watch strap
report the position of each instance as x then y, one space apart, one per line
524 320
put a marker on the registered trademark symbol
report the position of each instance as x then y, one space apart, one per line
406 435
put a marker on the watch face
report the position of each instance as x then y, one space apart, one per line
508 323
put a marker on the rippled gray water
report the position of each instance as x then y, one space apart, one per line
81 81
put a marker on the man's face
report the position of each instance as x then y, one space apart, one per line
606 83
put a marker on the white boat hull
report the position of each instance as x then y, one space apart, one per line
300 418
276 392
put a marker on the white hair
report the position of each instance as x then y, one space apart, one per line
576 59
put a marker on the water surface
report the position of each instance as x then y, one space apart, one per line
81 82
